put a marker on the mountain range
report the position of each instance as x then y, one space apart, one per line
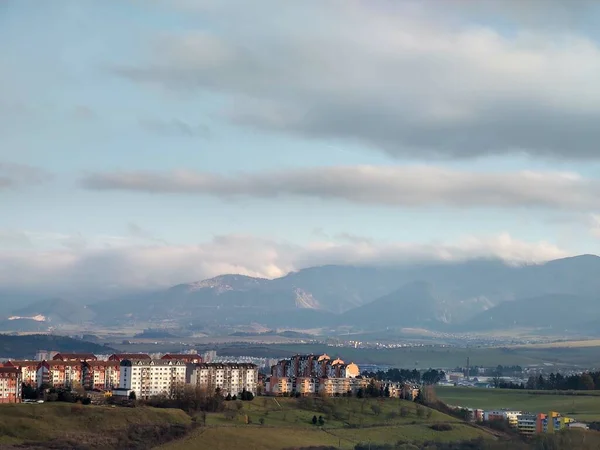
467 296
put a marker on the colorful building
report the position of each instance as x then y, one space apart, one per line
10 385
101 375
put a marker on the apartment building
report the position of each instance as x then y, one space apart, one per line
28 370
229 378
10 385
148 378
188 358
312 366
314 374
60 374
512 417
73 357
132 356
101 375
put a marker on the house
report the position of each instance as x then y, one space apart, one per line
10 385
74 357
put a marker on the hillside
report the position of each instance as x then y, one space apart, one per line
24 347
561 312
55 311
65 425
347 422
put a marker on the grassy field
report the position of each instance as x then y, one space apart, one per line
50 421
581 407
287 423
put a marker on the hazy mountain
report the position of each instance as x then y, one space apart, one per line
25 347
432 295
55 311
550 311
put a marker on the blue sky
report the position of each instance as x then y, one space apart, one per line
157 142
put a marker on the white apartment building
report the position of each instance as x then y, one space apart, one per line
230 378
148 378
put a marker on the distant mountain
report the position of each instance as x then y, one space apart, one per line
55 311
551 311
439 295
25 347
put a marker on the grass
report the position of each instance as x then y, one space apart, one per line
43 422
580 407
287 423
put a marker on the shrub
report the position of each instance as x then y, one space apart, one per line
441 427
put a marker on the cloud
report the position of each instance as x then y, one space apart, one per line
152 266
409 80
175 127
411 186
14 175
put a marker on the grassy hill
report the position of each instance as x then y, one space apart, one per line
348 421
66 426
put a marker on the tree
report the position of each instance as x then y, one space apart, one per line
586 382
314 420
261 420
360 393
228 398
386 391
132 395
321 421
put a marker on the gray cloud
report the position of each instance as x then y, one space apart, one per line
176 127
411 186
396 79
15 175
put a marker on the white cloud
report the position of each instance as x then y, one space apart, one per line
411 186
151 266
410 79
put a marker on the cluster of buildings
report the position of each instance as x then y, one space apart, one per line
526 423
314 374
122 374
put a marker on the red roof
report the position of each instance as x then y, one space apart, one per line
121 356
9 370
74 357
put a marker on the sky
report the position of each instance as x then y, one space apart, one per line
149 143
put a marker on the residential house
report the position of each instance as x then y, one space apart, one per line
10 385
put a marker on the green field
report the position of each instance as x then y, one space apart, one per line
581 407
287 423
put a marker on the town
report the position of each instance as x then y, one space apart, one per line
140 376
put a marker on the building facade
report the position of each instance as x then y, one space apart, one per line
314 374
101 375
231 379
148 378
60 374
10 385
28 371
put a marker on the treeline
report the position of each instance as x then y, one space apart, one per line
431 376
587 381
195 399
499 370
